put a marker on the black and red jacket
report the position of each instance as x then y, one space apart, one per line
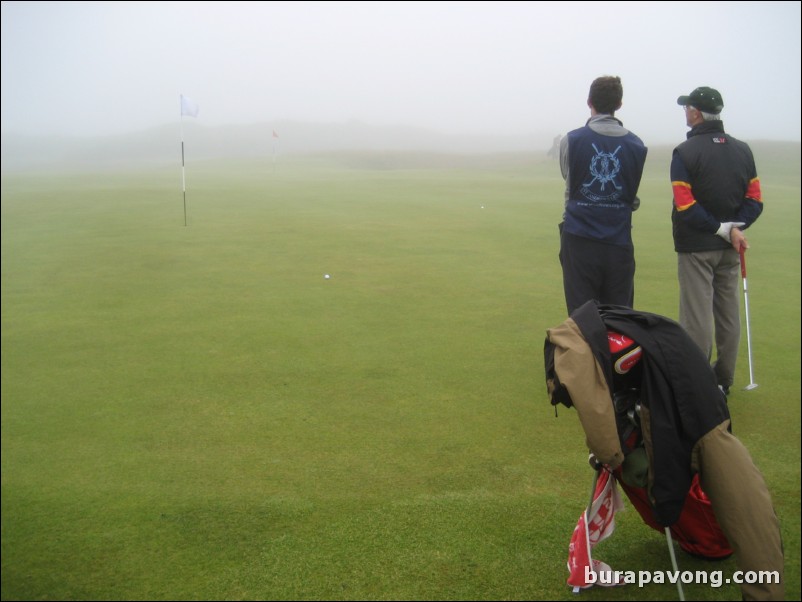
714 180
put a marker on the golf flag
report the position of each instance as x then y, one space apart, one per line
595 525
189 107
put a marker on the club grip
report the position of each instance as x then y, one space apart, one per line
741 252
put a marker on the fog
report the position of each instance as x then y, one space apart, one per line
468 68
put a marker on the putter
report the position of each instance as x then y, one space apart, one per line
752 384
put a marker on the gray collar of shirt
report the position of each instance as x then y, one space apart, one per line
607 125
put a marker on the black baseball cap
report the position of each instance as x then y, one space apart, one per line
707 100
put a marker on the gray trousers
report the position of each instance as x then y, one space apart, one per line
709 301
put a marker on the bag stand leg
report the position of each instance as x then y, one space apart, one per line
674 564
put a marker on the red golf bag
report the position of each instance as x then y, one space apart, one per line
697 531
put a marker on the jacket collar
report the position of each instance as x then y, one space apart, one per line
706 127
603 117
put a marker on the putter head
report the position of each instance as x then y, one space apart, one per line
750 386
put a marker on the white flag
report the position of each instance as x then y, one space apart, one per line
188 107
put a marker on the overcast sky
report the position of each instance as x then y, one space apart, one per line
508 68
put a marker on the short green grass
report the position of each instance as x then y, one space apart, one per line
197 413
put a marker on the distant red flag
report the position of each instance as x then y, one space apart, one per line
275 135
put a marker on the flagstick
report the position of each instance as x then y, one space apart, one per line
183 175
275 137
188 107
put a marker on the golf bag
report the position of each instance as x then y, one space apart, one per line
696 531
652 412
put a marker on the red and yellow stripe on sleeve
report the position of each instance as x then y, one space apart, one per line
753 190
683 196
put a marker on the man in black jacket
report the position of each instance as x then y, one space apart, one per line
716 196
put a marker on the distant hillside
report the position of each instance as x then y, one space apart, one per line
354 143
162 145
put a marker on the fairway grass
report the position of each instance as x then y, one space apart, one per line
196 413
